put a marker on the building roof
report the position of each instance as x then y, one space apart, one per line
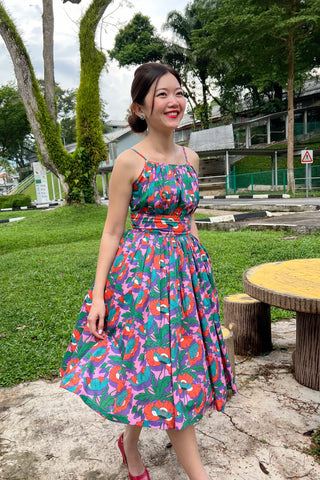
117 123
113 136
212 139
310 87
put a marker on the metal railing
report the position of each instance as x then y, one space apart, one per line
22 185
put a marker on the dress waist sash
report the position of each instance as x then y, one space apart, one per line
171 224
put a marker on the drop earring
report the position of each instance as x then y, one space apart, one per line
142 117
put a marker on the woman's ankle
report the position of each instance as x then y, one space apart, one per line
134 461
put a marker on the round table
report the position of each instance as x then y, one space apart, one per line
294 285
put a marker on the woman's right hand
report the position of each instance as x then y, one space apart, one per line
96 319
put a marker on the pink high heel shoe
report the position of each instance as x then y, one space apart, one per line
144 475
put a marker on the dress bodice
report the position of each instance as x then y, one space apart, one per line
162 192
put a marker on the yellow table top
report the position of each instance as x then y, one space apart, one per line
292 284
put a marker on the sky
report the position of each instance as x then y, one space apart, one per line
115 82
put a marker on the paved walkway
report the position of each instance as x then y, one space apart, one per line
50 434
297 216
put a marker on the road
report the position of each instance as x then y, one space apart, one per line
261 202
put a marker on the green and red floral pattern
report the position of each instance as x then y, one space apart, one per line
163 362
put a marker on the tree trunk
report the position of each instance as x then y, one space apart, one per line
49 83
278 92
250 323
205 106
290 150
91 148
46 138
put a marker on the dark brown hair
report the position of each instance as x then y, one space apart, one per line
144 77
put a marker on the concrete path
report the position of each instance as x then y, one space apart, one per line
301 216
50 434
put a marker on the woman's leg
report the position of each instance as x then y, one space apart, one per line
186 447
130 442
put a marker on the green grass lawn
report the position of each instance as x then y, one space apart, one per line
48 263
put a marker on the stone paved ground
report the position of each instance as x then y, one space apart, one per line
49 434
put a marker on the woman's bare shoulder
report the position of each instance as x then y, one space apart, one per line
128 163
193 158
126 158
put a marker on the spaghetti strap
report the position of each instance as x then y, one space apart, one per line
145 158
185 156
136 151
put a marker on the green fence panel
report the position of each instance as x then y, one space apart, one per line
268 178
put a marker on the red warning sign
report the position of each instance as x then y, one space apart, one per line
306 156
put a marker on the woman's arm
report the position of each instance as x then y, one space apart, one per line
122 177
193 159
194 229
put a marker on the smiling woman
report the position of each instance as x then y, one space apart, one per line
148 349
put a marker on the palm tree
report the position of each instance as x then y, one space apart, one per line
186 57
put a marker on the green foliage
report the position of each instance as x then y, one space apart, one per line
192 62
11 201
50 257
66 113
202 112
14 124
137 43
252 43
68 130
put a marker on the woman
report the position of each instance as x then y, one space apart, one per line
147 349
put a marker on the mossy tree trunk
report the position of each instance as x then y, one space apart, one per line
45 130
91 149
76 172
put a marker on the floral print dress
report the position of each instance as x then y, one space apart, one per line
163 361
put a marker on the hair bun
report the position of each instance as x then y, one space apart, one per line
137 125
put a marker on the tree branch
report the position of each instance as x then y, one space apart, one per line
49 83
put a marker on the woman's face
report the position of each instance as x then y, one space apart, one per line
164 104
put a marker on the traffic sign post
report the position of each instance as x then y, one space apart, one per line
307 158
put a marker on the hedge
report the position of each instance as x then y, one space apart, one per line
11 201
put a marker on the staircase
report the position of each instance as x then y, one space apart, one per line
212 183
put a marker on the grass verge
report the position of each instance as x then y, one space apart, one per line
48 263
315 445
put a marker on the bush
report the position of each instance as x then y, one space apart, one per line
12 201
